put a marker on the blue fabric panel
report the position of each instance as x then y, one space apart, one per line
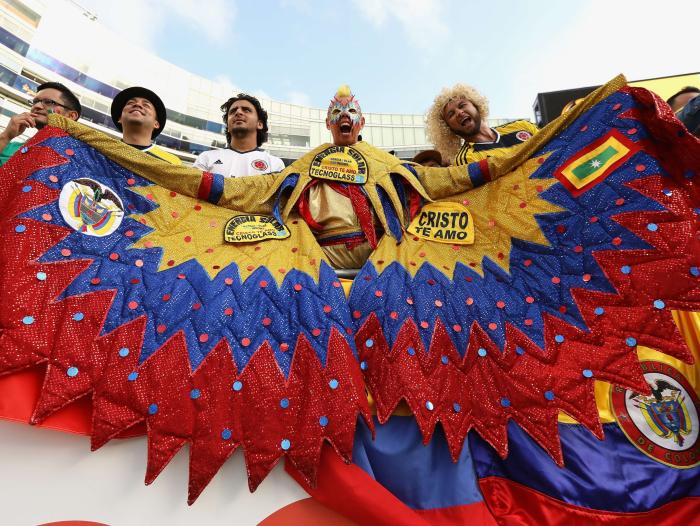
611 474
423 477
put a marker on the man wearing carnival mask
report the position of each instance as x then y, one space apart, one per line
350 193
330 209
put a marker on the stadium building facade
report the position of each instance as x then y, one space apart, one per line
58 40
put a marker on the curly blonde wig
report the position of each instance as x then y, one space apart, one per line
444 139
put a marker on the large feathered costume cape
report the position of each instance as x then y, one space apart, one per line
115 274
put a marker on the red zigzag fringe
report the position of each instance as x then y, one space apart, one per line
215 408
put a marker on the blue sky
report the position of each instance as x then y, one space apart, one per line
397 54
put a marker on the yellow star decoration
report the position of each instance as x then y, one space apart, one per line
187 228
502 209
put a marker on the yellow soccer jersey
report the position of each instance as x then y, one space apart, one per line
161 154
508 135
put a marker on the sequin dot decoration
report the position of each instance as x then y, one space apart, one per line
439 322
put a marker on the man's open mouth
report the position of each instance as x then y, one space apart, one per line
345 127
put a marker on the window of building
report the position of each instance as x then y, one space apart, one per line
9 40
387 137
22 11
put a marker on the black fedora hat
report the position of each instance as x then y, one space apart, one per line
136 91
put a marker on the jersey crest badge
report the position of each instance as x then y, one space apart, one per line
259 165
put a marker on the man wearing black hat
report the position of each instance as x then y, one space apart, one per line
140 115
50 97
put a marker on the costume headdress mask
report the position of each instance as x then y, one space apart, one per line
344 103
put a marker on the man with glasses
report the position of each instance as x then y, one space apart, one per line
51 97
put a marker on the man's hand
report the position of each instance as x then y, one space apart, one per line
18 123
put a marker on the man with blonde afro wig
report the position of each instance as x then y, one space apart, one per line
457 126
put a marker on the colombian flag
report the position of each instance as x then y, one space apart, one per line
642 469
646 468
629 478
